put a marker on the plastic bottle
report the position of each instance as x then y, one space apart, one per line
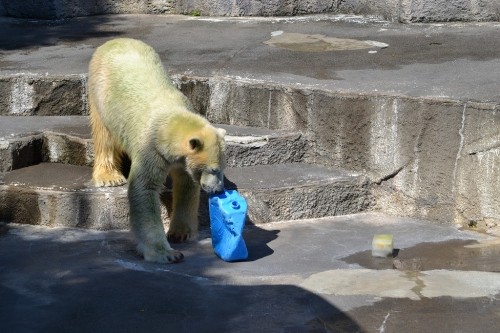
227 219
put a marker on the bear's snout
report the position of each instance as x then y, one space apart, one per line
212 182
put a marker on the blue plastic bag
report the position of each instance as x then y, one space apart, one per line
227 220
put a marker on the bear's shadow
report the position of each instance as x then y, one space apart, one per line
257 241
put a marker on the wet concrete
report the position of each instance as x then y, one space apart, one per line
463 255
295 280
319 43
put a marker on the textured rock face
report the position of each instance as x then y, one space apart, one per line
57 9
425 10
424 157
35 95
430 157
395 10
445 10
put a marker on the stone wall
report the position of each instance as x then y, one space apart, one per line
58 9
425 157
449 10
394 10
431 158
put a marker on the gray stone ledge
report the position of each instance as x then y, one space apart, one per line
54 194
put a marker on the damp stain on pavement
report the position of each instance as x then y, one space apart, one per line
318 43
455 268
468 255
404 284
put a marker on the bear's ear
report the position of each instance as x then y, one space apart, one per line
221 132
195 144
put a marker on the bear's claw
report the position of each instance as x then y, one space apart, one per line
115 179
168 256
180 237
175 257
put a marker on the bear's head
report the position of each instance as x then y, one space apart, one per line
205 158
199 147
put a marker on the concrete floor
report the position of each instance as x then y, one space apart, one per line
301 276
450 60
309 276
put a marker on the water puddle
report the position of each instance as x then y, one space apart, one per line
464 255
454 268
318 43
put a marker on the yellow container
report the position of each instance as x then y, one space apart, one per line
382 245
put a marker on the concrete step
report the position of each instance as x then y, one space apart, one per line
55 194
26 141
247 146
427 115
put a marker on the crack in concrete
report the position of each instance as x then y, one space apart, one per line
460 148
391 175
381 329
493 148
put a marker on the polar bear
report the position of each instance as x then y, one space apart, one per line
136 111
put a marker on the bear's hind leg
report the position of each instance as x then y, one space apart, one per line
186 201
107 155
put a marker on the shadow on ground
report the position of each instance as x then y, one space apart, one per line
71 280
24 34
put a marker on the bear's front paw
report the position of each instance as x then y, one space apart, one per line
179 236
108 179
164 256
